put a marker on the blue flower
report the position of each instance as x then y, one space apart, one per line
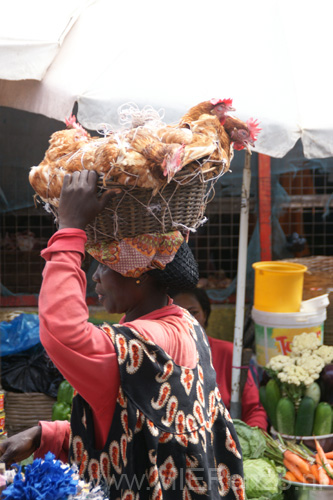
47 479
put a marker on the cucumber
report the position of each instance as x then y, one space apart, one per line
285 416
323 419
263 396
305 417
273 396
313 391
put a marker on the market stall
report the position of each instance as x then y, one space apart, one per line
268 79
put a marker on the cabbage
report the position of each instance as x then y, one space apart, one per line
261 479
251 440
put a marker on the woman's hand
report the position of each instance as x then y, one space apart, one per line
79 203
20 446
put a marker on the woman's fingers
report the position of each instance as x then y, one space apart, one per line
67 180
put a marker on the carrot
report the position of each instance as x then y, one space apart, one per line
314 471
323 477
302 464
322 457
329 454
290 476
295 470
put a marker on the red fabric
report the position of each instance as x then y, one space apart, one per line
253 412
82 352
55 435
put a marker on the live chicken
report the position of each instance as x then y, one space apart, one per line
146 156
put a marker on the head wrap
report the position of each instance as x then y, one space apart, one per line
132 257
182 273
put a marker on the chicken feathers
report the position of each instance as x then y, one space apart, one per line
145 156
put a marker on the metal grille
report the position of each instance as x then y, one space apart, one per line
215 245
308 212
24 233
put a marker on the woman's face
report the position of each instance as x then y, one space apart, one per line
115 292
190 303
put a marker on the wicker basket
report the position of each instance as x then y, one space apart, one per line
318 280
136 211
178 205
24 410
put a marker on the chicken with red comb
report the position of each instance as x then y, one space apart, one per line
217 107
242 134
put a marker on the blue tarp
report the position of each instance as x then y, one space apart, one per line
20 334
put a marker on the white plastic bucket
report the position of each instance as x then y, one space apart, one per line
274 332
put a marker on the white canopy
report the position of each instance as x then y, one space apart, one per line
272 57
31 34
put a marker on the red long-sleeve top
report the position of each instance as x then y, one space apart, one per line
86 356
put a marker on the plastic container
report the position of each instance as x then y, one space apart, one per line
274 332
315 303
278 286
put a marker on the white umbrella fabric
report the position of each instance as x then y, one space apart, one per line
31 34
272 58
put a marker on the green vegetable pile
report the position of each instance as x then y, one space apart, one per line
305 417
262 475
298 394
61 410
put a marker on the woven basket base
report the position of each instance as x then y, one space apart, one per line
24 410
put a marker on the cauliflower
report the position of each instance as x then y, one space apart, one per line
325 352
277 363
293 374
305 342
312 364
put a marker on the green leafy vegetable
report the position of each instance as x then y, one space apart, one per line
65 393
251 439
61 411
262 479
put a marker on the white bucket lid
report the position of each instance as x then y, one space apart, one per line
291 320
314 304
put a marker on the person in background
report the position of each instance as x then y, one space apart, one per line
197 302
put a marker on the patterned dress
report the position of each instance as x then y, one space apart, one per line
171 436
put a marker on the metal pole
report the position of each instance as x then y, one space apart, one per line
235 403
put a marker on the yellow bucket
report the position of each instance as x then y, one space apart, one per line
278 286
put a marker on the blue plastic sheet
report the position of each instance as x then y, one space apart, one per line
19 334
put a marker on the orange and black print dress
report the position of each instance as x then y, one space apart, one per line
171 436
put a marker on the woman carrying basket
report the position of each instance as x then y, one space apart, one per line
148 420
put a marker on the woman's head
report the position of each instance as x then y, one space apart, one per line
138 296
196 301
115 292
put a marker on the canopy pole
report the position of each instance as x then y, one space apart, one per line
265 206
235 403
